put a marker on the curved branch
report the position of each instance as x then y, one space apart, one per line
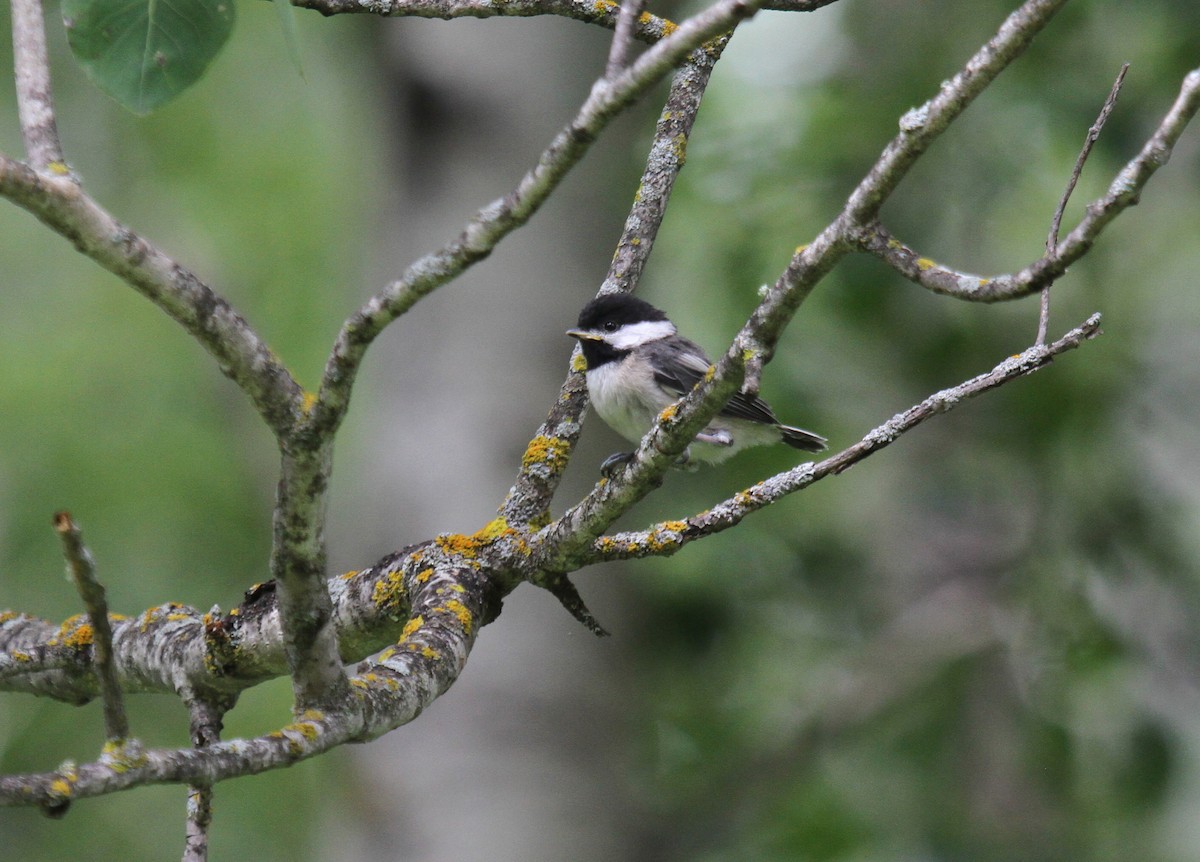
241 354
1124 192
668 537
448 592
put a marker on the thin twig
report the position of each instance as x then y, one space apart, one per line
35 104
623 37
1056 222
669 536
650 27
91 591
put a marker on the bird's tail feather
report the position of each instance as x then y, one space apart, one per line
798 438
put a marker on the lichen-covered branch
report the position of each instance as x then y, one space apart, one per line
668 537
434 598
548 452
602 12
1124 191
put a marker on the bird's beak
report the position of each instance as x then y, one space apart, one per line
584 335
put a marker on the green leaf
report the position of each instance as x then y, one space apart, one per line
144 53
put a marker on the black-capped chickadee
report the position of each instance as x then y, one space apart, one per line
637 365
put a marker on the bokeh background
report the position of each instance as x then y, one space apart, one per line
980 644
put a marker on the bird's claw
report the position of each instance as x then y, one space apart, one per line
615 463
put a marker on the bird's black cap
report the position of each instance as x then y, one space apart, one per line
619 309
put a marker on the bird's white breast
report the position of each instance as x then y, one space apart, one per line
626 397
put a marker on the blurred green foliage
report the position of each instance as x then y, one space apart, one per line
978 645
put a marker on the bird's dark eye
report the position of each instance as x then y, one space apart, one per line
610 326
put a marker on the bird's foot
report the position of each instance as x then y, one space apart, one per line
615 463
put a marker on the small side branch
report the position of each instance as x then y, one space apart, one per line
1056 222
35 104
668 537
206 716
623 37
83 573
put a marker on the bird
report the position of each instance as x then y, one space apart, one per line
637 365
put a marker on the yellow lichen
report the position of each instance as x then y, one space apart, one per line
459 610
924 263
497 528
668 413
578 363
307 401
60 787
424 575
800 248
430 652
348 575
458 545
545 449
75 633
668 27
679 148
388 592
411 626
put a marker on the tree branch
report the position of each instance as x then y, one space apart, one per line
83 572
625 32
35 104
548 452
1124 192
566 542
241 354
1056 222
667 537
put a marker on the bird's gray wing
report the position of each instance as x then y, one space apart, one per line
680 364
